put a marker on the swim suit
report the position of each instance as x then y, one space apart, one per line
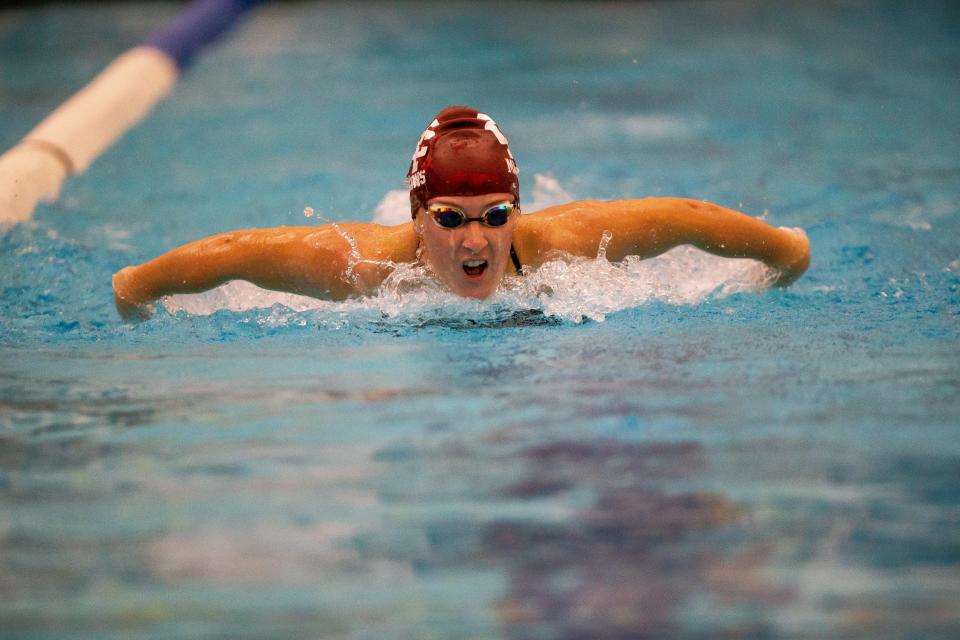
516 261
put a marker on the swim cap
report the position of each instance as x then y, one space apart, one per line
462 153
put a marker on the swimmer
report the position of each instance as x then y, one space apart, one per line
466 228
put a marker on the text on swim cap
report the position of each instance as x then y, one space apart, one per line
416 179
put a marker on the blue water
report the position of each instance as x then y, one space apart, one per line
654 451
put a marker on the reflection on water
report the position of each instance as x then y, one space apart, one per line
637 560
528 537
604 538
881 558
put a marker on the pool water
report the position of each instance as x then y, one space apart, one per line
662 449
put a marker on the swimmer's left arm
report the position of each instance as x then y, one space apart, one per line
650 226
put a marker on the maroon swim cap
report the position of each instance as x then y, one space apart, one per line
462 153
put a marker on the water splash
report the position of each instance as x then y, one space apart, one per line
353 259
569 290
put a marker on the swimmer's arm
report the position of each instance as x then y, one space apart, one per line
650 226
311 261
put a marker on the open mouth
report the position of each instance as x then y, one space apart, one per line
474 268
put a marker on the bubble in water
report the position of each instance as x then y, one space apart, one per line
308 212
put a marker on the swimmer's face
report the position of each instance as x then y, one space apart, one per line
472 258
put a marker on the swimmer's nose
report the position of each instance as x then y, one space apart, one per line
473 237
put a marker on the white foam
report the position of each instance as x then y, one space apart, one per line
393 209
570 290
236 295
547 192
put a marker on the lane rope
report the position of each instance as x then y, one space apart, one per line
68 140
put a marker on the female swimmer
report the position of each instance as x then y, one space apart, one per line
466 228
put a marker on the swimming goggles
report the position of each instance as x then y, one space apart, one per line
450 217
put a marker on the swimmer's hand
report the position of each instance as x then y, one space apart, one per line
794 258
130 305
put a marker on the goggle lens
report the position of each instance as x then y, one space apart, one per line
448 218
497 216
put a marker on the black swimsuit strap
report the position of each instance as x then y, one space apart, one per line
516 260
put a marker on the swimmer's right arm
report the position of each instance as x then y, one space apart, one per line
311 261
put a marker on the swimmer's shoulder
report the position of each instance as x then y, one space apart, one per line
547 233
394 243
